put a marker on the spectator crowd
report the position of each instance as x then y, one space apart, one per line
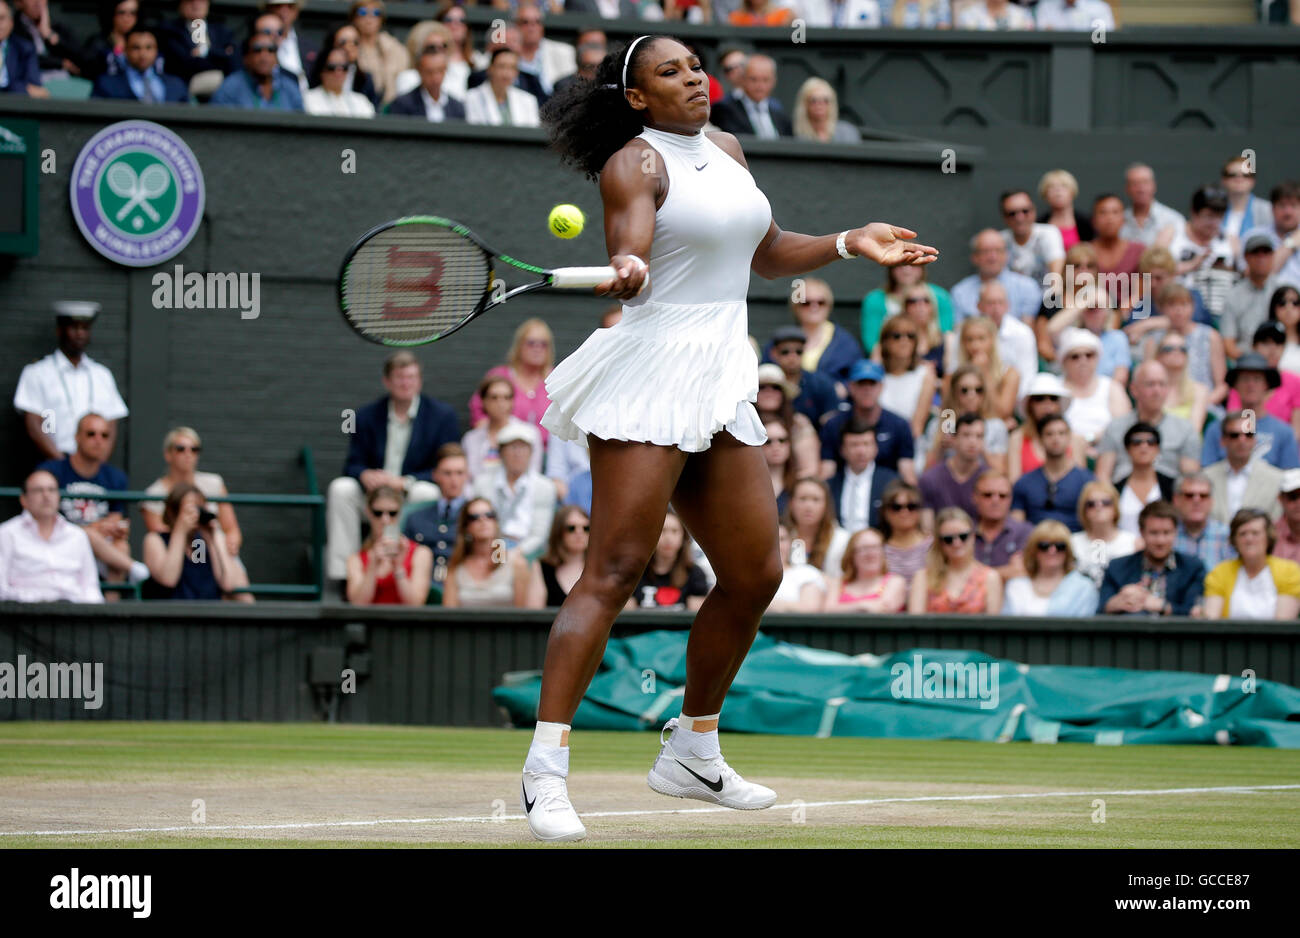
1101 417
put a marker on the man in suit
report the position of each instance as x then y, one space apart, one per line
1156 581
192 44
434 525
755 111
393 443
1238 481
498 101
20 72
857 489
140 81
297 54
429 100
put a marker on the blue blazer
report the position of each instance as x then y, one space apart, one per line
22 63
879 479
412 105
1183 585
117 86
435 424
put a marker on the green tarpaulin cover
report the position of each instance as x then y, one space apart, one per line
927 693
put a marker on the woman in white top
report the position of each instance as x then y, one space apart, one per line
908 388
818 538
1284 307
479 574
1095 400
1101 539
491 101
1144 484
1047 560
802 586
1255 584
332 98
664 399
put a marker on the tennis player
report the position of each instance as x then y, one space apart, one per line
665 402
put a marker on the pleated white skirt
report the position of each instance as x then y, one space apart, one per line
667 373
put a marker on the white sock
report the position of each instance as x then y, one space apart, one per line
549 752
688 741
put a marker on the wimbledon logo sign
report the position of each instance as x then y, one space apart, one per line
137 193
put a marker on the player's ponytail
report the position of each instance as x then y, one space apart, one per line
589 121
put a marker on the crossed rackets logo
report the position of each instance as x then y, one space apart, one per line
140 189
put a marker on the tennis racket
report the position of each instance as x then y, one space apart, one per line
419 279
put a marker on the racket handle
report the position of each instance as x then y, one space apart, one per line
581 276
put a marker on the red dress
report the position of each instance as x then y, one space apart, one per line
386 592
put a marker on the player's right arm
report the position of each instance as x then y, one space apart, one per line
629 187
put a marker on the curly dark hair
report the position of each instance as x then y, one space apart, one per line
589 121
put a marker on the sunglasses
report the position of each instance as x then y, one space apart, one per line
436 47
1237 434
1013 212
336 68
1059 546
1237 175
1288 302
1195 496
102 434
905 506
572 528
500 397
1099 503
1143 441
1173 348
971 389
916 299
369 11
262 47
998 495
1291 496
180 448
788 350
901 335
951 539
344 42
1040 398
1075 356
480 515
385 512
814 303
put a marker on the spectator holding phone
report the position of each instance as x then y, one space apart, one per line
188 560
390 569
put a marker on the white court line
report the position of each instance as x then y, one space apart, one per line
488 819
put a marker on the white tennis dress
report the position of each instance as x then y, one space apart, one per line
678 367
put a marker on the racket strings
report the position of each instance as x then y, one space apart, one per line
411 283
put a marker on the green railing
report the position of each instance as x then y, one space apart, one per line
312 499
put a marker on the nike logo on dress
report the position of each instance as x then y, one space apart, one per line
528 805
697 169
713 786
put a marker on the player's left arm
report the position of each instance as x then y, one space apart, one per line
788 253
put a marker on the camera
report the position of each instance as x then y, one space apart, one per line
206 516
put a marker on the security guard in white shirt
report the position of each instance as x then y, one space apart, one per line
57 391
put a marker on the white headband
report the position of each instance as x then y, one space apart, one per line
628 57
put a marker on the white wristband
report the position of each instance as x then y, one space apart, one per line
842 247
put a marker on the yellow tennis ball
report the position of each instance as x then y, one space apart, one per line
566 221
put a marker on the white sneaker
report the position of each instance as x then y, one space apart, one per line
545 799
709 780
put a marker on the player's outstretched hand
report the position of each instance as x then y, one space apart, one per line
889 246
633 277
